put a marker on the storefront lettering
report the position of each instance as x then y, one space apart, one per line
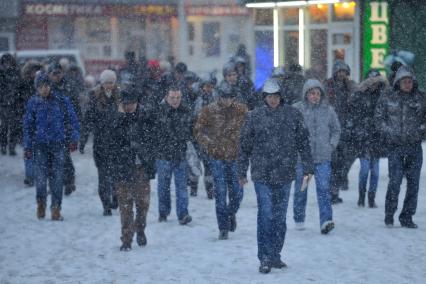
61 10
376 34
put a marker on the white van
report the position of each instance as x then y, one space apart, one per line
49 55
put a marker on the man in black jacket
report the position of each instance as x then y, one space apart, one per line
401 119
134 166
173 131
271 139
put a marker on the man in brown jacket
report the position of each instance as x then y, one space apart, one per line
217 130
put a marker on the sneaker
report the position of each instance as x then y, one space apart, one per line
107 212
56 214
264 268
389 221
223 235
408 223
185 220
126 247
41 210
141 239
69 189
327 227
300 226
278 264
233 223
162 219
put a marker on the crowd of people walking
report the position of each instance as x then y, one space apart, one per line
149 121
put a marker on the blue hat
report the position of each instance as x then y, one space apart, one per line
41 79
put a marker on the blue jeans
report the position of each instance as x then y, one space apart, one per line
272 203
43 155
368 166
322 174
226 181
29 168
165 169
404 160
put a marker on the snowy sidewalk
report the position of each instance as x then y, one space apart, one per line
85 247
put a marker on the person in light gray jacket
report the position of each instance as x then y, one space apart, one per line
324 130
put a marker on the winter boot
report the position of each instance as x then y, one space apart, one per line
162 219
69 188
389 221
327 227
194 187
56 214
264 268
126 247
107 212
361 199
278 264
233 223
29 182
3 150
141 239
407 222
371 202
209 189
41 210
223 235
335 199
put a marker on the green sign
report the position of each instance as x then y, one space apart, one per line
376 34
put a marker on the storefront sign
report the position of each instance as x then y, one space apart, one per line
376 34
99 10
216 11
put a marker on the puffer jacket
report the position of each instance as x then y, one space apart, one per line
322 123
401 117
271 141
218 127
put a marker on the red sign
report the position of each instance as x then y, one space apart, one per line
32 33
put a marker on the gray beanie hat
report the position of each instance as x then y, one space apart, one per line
108 76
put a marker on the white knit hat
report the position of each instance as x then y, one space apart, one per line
108 76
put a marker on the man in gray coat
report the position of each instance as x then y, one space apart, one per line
324 129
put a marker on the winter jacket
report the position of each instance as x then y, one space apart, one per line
271 140
401 117
173 130
338 95
134 145
67 89
247 90
99 119
9 96
321 121
292 88
360 128
218 127
49 120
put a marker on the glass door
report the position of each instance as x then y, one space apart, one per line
342 47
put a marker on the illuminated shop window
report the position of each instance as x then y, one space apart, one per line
318 14
344 11
263 17
290 16
291 47
211 39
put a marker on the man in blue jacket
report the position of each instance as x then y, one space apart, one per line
271 139
45 135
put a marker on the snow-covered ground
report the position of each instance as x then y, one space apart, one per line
85 247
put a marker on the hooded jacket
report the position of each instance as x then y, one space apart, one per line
401 117
271 141
46 119
321 121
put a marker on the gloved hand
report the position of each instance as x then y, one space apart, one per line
73 147
28 154
81 149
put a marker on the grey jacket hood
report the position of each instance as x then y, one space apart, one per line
341 65
311 84
403 72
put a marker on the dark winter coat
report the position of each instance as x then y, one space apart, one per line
65 88
292 88
322 122
401 117
218 127
99 119
360 128
338 95
247 90
173 130
134 145
9 95
50 120
153 93
270 142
